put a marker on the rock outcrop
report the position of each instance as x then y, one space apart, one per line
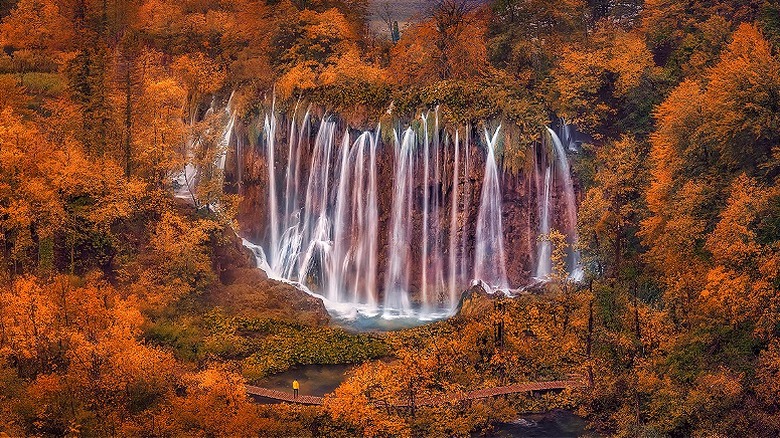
247 292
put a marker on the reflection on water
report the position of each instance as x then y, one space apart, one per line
556 423
316 380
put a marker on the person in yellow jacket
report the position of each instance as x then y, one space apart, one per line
296 387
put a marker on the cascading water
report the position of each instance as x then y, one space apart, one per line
222 147
453 260
335 283
438 236
544 263
397 284
426 200
270 132
186 181
490 262
571 205
290 188
568 185
288 252
316 226
346 194
353 271
432 282
566 134
371 226
464 254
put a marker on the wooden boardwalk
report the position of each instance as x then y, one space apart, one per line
287 397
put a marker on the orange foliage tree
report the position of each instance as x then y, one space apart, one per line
450 44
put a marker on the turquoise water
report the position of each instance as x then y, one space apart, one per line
557 423
381 323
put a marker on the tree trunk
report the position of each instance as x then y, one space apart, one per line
589 341
128 120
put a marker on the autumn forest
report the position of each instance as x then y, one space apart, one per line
409 208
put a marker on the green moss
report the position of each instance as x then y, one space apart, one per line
184 339
39 83
278 345
264 346
482 102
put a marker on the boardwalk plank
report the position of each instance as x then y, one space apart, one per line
428 401
283 396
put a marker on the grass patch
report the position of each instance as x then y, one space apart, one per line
278 346
264 346
39 83
186 340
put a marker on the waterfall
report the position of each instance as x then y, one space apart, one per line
372 225
425 222
188 179
361 264
330 243
352 272
269 127
432 239
292 237
571 203
453 266
544 252
239 169
290 190
339 223
397 283
490 262
325 231
568 186
438 268
222 147
316 224
544 263
566 136
302 144
464 254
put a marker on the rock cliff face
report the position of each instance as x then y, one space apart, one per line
520 203
246 291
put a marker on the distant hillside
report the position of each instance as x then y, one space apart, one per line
403 11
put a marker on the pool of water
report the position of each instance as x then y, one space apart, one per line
384 323
557 423
316 380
